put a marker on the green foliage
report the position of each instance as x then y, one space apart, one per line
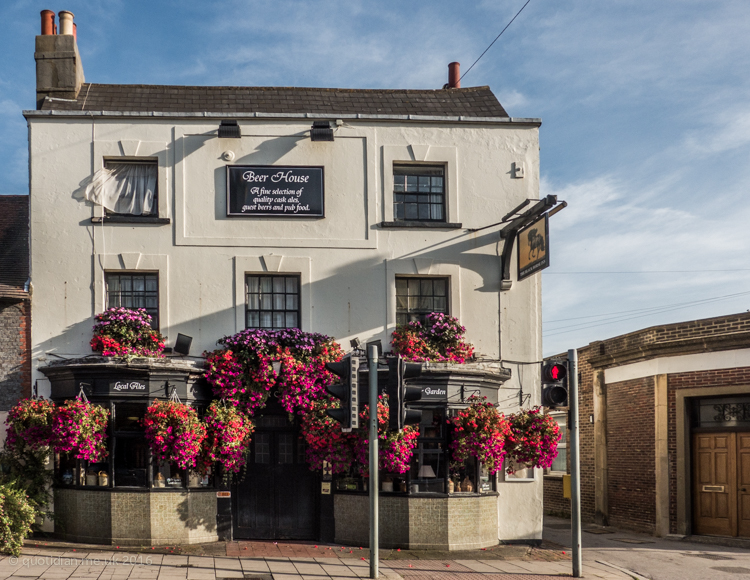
16 518
28 470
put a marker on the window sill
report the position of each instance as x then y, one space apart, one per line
136 219
556 475
421 225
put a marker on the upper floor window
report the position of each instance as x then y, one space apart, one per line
130 187
273 301
419 193
418 297
134 291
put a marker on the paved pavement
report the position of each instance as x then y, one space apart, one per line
653 558
288 561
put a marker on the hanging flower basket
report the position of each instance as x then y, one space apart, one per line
243 372
174 432
126 333
440 339
533 438
80 427
30 425
480 431
395 448
227 439
325 440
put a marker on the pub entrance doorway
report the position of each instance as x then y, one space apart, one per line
721 483
277 499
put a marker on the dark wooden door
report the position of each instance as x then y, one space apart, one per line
278 497
743 484
715 483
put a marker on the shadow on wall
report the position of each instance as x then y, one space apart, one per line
193 521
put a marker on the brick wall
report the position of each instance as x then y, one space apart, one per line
554 502
707 327
630 417
631 453
714 378
15 360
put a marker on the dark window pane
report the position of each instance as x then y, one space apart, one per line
262 448
276 305
425 185
134 291
285 447
128 417
417 297
131 461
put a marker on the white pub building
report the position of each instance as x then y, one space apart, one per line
338 211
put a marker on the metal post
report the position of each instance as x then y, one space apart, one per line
372 356
575 463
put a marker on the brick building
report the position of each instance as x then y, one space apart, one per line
665 430
15 311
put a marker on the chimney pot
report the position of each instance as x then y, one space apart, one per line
66 22
48 22
454 75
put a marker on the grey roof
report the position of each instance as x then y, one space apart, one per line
469 102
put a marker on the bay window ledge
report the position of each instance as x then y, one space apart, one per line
421 225
130 219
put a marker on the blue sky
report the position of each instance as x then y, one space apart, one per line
645 109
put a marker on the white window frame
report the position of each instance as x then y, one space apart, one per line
126 150
424 155
560 415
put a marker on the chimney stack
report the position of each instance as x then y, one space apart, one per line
454 75
59 72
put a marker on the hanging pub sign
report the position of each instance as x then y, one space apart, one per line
533 247
274 191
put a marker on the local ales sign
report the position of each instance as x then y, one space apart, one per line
533 247
272 190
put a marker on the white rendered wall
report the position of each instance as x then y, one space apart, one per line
347 263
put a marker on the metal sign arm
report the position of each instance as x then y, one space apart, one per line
508 233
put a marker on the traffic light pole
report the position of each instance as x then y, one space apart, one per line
372 359
575 463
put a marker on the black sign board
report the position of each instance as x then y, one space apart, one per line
533 247
274 191
434 393
129 386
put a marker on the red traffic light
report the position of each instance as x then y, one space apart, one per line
554 372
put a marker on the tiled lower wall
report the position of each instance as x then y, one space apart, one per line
441 523
128 518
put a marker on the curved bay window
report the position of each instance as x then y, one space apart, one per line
432 470
130 463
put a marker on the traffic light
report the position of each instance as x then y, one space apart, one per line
346 390
399 393
554 384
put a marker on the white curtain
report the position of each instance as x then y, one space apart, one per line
127 188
